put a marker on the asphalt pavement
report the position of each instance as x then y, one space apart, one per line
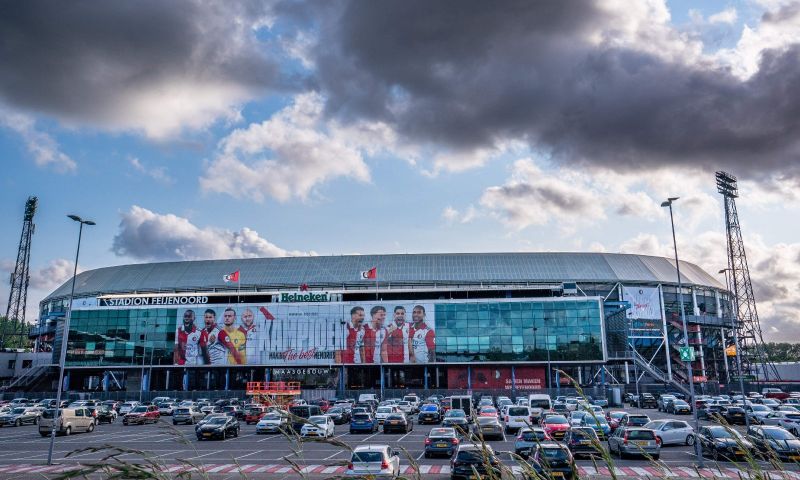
24 452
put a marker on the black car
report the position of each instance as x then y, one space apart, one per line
773 441
339 415
582 441
105 414
647 400
733 415
218 427
429 413
469 457
721 443
552 460
711 411
397 422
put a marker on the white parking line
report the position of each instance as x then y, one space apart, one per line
243 456
335 454
205 454
404 436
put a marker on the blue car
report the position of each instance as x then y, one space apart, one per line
599 424
363 422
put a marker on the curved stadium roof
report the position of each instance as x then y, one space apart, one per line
342 272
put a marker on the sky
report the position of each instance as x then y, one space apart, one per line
200 129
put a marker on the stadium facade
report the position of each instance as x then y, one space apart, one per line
444 321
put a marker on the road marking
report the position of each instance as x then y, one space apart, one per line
205 454
404 436
243 456
335 454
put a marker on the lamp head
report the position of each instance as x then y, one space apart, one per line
89 222
75 217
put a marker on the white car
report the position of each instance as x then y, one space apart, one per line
572 404
127 407
372 460
166 408
384 412
405 407
516 418
672 432
320 426
272 422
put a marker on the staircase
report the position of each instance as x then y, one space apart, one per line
657 373
29 379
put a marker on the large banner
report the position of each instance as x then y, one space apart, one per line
306 334
645 302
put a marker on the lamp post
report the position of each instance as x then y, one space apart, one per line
736 344
689 372
65 337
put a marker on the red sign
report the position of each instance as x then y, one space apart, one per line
700 378
497 378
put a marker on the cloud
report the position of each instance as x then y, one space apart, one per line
42 281
158 174
146 235
53 275
293 152
607 84
727 16
41 146
153 67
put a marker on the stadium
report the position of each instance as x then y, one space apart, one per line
494 321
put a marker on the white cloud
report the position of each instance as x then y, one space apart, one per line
42 281
293 152
53 275
158 174
727 16
147 235
41 146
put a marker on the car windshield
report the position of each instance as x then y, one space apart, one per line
518 411
218 420
778 434
680 403
722 432
761 408
487 421
318 419
618 415
531 435
18 411
595 420
793 416
456 413
336 410
470 456
271 416
396 416
556 419
442 433
385 409
361 416
539 403
554 453
139 410
367 457
182 411
638 420
429 408
583 432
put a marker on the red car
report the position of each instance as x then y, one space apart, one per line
775 393
556 426
141 415
488 412
613 418
323 405
254 414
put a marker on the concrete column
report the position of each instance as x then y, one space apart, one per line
186 380
65 387
627 374
513 380
227 379
208 380
106 381
667 351
426 376
166 380
469 377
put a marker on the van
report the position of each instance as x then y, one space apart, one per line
368 397
539 403
462 402
305 412
71 420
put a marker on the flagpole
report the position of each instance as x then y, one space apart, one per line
376 284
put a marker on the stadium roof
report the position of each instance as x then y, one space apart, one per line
342 272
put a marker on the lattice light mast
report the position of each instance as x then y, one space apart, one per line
754 357
20 277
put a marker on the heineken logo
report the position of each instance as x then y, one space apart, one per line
304 297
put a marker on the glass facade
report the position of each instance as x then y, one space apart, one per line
534 331
529 330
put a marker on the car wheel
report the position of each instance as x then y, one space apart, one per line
223 434
91 427
236 433
44 434
714 454
689 439
656 457
18 423
68 431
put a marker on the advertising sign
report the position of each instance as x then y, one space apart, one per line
645 302
306 334
497 378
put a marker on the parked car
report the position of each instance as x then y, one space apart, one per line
488 428
771 440
234 411
722 443
374 460
556 426
633 420
398 422
672 432
141 415
298 413
553 460
105 414
273 422
756 413
126 407
318 426
254 414
634 441
429 413
384 412
789 421
576 417
70 420
471 458
20 416
775 393
339 415
188 415
221 427
166 408
733 414
582 441
528 438
597 423
363 422
679 407
647 400
455 418
614 418
441 441
664 401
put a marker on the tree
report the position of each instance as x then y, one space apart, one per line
7 330
783 351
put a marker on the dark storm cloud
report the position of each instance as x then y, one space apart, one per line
466 74
91 60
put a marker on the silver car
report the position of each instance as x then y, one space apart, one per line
672 432
788 420
374 460
186 415
634 441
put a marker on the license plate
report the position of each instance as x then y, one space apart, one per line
557 474
642 443
586 442
395 422
739 452
441 445
206 434
794 457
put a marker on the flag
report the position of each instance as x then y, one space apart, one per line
370 274
266 313
231 277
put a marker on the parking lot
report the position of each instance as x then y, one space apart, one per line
265 456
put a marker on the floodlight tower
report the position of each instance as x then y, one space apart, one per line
18 297
754 357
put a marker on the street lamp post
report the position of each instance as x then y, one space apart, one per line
690 373
65 337
736 345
